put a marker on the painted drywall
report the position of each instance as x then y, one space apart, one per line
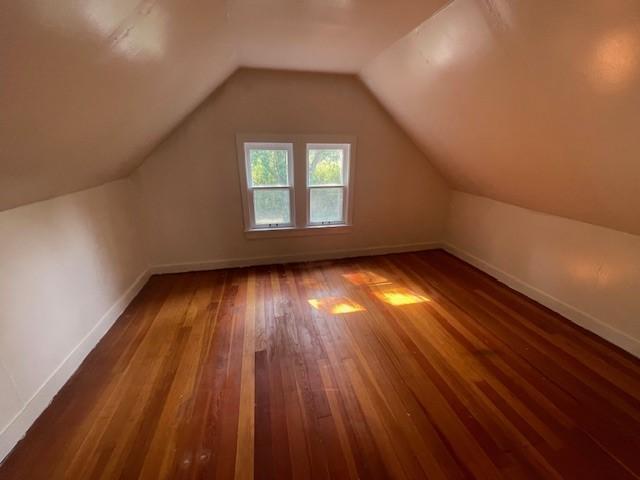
532 102
68 267
588 273
327 36
191 189
90 87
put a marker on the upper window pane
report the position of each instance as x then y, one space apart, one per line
269 167
326 166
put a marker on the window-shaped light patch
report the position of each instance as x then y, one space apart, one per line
400 296
365 278
336 305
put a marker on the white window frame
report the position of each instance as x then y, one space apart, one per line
299 194
250 188
346 161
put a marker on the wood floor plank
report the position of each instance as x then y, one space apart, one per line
402 366
246 418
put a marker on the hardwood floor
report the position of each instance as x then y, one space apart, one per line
402 366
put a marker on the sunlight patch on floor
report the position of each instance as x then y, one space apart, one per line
336 305
365 278
400 296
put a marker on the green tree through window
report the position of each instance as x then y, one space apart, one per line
325 167
271 184
269 167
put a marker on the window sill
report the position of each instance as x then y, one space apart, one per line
297 232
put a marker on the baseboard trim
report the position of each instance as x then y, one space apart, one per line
33 408
16 429
22 421
291 258
583 319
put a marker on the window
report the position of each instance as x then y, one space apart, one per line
269 170
327 174
272 166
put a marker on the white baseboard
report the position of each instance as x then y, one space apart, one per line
22 421
583 319
291 258
18 426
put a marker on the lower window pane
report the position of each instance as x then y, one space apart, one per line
272 206
326 205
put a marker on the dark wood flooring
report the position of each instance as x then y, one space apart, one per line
401 366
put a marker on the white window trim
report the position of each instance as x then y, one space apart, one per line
249 189
346 158
300 225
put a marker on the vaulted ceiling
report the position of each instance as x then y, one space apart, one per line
532 102
88 87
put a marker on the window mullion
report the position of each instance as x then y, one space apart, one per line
266 202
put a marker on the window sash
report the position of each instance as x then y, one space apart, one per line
345 162
270 226
283 147
269 206
342 221
346 158
288 147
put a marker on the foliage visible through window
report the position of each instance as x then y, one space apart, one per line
269 167
326 181
269 173
326 205
272 206
325 167
268 184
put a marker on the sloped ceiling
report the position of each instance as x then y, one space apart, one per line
88 87
530 102
321 35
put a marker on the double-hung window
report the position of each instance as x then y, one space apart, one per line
327 175
296 184
269 169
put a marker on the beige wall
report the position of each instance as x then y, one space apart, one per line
70 265
66 267
90 87
588 273
532 102
191 188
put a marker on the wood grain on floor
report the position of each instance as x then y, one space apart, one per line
402 366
